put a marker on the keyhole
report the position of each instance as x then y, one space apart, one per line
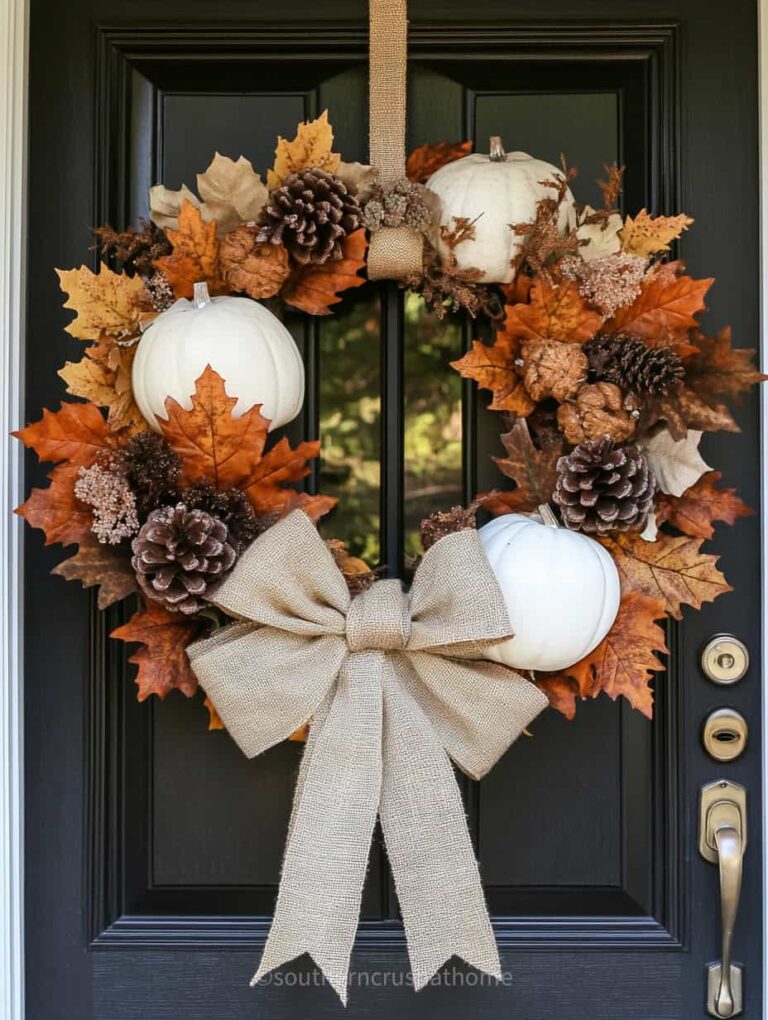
726 661
726 736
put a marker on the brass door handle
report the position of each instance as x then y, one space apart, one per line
722 840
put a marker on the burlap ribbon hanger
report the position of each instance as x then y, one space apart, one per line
394 689
395 252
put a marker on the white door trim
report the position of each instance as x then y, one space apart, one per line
14 23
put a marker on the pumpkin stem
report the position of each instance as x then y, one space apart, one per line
547 515
497 153
200 295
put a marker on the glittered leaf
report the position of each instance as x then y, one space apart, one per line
672 569
663 306
96 563
699 507
554 312
310 148
646 235
427 159
623 663
107 303
229 452
532 470
162 661
313 289
493 368
195 255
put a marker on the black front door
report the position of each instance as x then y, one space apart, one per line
154 846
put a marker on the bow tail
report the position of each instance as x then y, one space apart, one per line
428 844
330 831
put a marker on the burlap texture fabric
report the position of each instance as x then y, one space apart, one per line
394 686
395 252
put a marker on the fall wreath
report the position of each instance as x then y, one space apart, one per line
599 368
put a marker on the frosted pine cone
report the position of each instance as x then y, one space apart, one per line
180 552
310 215
602 488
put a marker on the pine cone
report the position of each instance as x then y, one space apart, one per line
310 215
180 552
553 369
602 488
258 270
599 409
635 367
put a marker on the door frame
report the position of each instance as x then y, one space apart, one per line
14 28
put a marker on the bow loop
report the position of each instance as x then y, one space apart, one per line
380 618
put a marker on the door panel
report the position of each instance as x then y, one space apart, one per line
168 841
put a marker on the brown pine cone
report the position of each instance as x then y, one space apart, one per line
603 488
178 553
629 363
310 215
599 409
553 369
258 270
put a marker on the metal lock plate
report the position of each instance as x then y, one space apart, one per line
725 659
725 734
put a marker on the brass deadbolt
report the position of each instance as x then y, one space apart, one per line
725 734
725 659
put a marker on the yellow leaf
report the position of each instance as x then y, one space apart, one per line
646 235
310 148
107 303
103 376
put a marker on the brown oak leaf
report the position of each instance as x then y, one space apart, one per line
682 409
310 148
494 368
718 370
663 306
622 664
646 235
554 312
313 288
229 452
532 470
672 569
195 255
162 661
428 159
96 563
695 511
107 303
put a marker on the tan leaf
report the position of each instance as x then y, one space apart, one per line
162 661
96 563
313 289
694 512
310 148
165 206
107 303
358 177
672 569
103 377
231 191
646 235
195 255
675 464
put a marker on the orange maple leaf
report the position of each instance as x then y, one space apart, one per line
313 289
694 512
622 664
665 305
195 255
229 452
554 312
56 510
428 159
672 569
163 663
493 368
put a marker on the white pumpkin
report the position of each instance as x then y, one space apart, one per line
561 589
239 338
493 192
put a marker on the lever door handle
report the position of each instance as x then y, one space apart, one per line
722 840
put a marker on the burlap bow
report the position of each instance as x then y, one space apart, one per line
393 688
